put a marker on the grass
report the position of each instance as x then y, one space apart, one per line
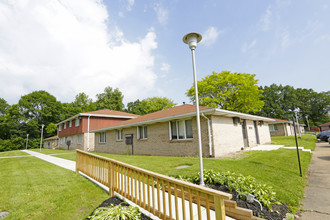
307 141
51 151
13 153
31 188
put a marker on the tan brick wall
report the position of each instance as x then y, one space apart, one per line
158 142
227 137
280 130
74 142
264 134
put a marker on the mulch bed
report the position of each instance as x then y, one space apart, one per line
278 213
117 201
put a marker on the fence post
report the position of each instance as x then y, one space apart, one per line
77 162
110 176
219 206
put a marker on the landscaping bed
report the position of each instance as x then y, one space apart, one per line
116 201
278 213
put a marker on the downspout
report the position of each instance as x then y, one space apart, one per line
285 131
88 133
209 133
58 138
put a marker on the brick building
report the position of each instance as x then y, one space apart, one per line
173 132
74 132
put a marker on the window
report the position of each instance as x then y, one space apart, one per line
60 128
119 135
77 122
70 124
102 137
142 132
181 129
79 138
273 128
64 125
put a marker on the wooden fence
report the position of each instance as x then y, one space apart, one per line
163 196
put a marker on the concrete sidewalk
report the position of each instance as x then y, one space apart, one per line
316 203
67 164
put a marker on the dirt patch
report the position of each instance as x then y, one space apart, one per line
278 213
116 201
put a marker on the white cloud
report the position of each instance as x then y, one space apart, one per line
266 19
65 47
165 67
285 39
162 14
130 4
210 36
247 47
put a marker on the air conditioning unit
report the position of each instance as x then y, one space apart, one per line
236 120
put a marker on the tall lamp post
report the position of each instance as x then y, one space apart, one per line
192 39
27 140
298 126
42 131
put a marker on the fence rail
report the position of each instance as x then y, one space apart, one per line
163 196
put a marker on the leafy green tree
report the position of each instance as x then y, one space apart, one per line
40 106
3 106
279 101
50 130
110 99
83 102
149 105
231 91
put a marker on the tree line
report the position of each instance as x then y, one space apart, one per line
40 107
226 90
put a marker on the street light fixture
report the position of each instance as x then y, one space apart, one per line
192 39
42 131
27 140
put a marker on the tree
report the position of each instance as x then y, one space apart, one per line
83 102
3 106
149 105
40 106
279 101
231 91
110 99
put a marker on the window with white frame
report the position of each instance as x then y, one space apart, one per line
64 124
79 138
142 132
181 129
60 127
102 137
119 135
77 122
70 124
273 128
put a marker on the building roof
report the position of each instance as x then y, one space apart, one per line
50 138
178 112
325 124
105 113
280 121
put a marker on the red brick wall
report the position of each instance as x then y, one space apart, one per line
95 123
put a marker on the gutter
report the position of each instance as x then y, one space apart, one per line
209 133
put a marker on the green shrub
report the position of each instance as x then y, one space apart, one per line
239 183
117 212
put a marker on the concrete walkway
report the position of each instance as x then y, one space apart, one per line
316 204
67 164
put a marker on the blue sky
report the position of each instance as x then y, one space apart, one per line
136 46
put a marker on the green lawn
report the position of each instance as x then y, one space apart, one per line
12 153
31 188
278 169
307 141
51 151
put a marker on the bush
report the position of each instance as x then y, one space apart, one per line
117 212
239 183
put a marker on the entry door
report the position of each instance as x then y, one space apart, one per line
244 131
256 131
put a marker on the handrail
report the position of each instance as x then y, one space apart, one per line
164 196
